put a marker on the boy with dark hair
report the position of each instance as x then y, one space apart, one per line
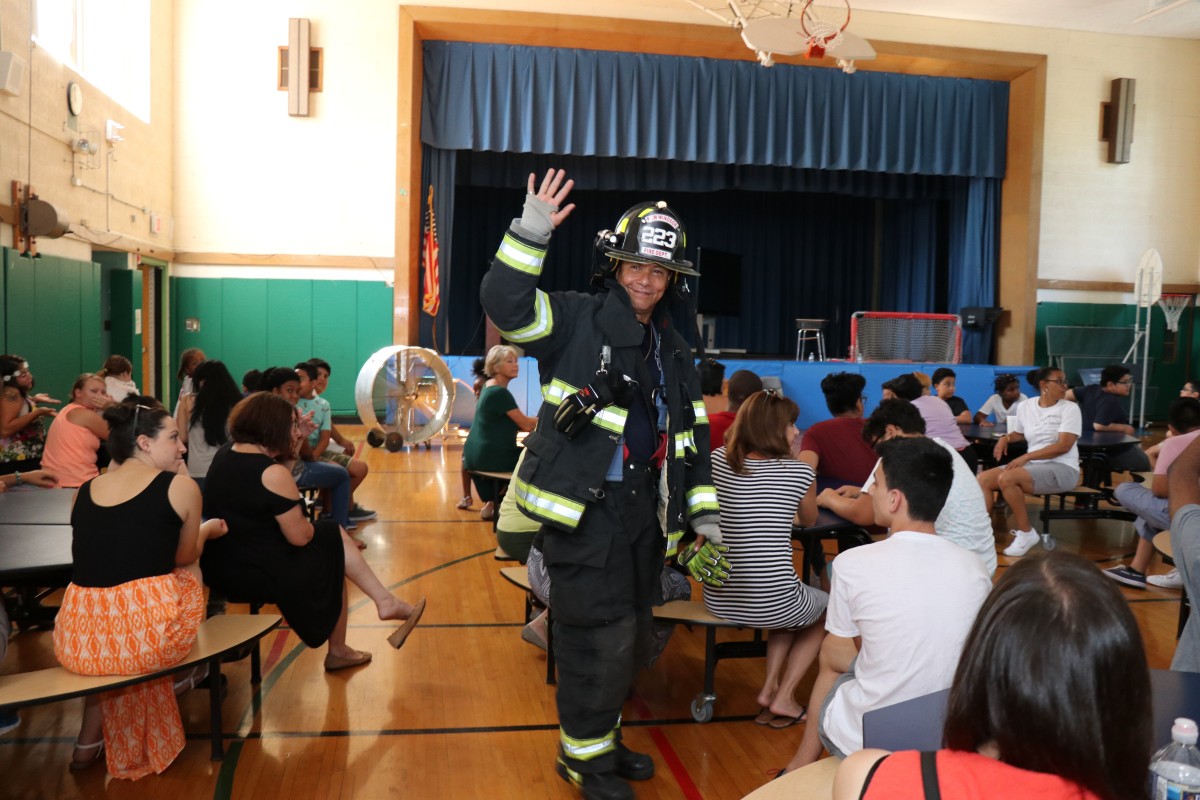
1151 505
326 441
899 610
1100 406
835 447
742 384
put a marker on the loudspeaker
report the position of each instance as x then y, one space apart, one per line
12 69
1117 127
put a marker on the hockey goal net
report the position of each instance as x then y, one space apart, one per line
901 336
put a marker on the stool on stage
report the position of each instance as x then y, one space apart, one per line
810 330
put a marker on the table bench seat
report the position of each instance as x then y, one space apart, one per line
217 637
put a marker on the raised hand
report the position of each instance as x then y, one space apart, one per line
554 191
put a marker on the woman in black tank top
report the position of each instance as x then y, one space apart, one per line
136 599
273 554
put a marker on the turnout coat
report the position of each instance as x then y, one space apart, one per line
560 478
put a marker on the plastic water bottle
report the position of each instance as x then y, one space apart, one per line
1175 770
812 356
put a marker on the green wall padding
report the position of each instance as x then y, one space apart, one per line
253 323
125 303
52 318
1169 374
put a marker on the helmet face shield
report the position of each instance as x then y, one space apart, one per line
648 233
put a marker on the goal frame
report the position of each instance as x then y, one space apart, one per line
910 316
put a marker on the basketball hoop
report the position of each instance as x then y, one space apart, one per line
1173 306
823 23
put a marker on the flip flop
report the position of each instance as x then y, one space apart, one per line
765 715
779 723
398 636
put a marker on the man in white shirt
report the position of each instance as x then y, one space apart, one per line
899 610
964 519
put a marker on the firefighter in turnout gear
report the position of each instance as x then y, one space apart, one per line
617 469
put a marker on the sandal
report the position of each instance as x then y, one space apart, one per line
96 749
465 503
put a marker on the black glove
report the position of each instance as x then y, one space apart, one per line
576 411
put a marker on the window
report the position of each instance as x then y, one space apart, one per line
105 41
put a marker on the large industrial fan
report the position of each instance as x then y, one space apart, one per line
404 396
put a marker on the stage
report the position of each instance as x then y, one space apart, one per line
801 380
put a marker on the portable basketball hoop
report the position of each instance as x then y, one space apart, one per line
823 23
1147 289
1172 306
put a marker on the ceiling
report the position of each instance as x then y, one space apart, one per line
1179 18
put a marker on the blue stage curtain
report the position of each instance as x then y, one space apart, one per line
519 99
974 256
909 268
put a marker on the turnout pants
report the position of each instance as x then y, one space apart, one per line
604 580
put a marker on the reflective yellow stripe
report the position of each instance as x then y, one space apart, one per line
587 749
542 325
556 390
701 412
673 543
547 505
611 418
683 442
520 256
702 498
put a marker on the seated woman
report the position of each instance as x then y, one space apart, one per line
762 490
492 444
203 414
22 431
1050 424
135 599
75 435
273 554
1004 731
1003 403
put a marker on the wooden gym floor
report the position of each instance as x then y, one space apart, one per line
463 709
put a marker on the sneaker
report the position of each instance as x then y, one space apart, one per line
1170 580
8 720
1022 543
1128 576
595 785
632 765
351 525
360 513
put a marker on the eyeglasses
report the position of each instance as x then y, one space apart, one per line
1059 381
136 411
1126 382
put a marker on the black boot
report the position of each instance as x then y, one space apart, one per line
596 785
634 766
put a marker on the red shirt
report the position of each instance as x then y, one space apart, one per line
718 423
966 776
839 445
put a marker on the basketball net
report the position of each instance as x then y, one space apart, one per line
1173 306
823 24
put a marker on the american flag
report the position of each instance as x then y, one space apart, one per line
431 300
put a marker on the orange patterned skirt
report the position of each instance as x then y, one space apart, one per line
129 629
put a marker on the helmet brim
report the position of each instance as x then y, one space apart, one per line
683 267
